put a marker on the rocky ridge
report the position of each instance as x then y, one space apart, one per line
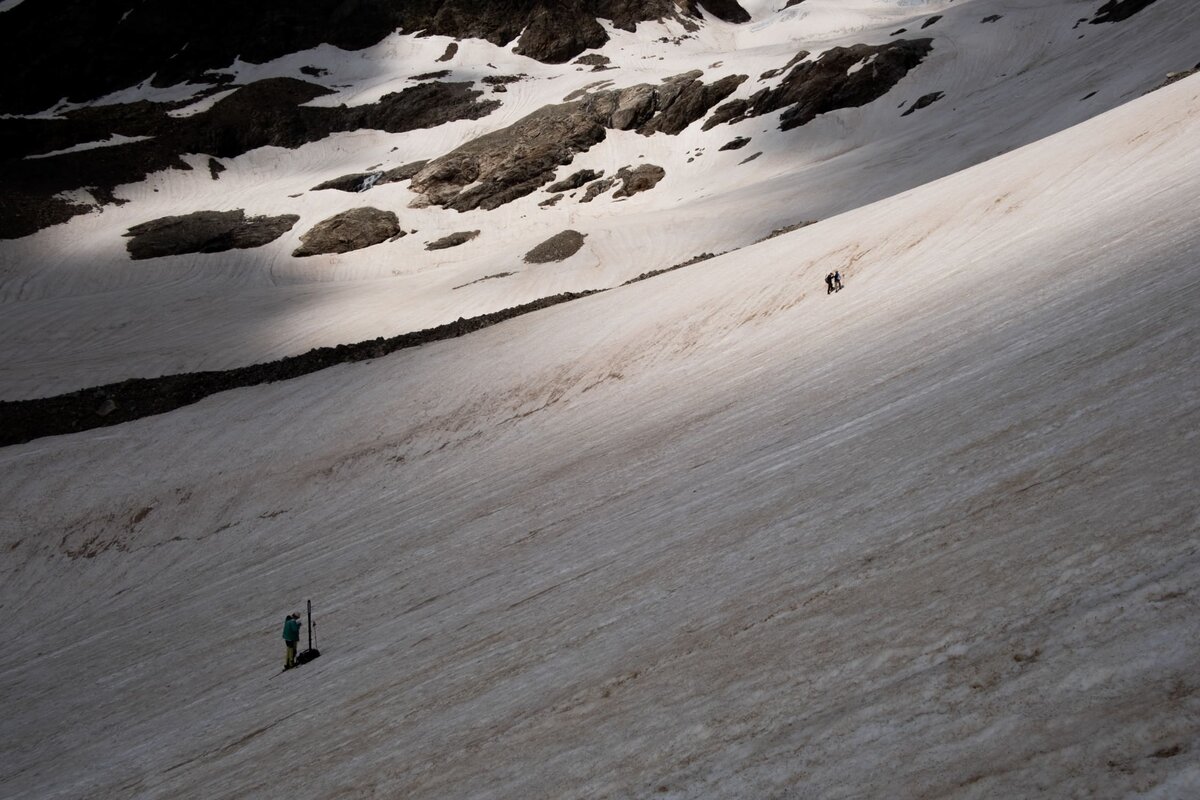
510 163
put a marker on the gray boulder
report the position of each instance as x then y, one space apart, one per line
205 232
641 178
558 247
350 230
453 240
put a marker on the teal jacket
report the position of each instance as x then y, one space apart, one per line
291 630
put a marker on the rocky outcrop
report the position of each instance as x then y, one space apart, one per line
261 114
355 182
597 62
596 189
402 173
205 232
347 231
575 180
453 240
843 77
727 10
735 144
510 163
641 178
558 247
683 102
91 49
555 37
923 101
1118 10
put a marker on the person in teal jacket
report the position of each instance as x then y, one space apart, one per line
291 637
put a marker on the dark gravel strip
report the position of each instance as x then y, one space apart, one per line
97 407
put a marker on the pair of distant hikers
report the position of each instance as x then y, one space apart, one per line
833 282
291 638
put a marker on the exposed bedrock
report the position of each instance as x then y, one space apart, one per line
843 77
510 163
558 247
641 178
575 180
727 10
452 240
354 182
205 232
597 188
83 49
347 231
924 101
264 113
1117 10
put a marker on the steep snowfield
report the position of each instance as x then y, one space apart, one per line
710 535
77 312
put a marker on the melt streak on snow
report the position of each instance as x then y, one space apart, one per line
715 534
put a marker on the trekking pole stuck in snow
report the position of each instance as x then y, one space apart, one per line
311 652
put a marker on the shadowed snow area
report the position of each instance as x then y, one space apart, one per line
711 534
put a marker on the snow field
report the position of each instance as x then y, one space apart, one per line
714 532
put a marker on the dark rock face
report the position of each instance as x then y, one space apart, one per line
930 21
594 60
791 3
826 84
750 158
83 49
350 230
451 52
733 110
923 101
727 10
641 178
735 144
402 173
263 113
992 18
551 201
215 168
1118 10
431 76
555 38
681 104
453 240
510 163
205 232
596 189
355 182
558 247
575 180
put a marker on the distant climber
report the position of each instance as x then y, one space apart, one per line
837 280
829 283
291 637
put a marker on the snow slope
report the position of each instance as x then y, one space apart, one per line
77 312
714 534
